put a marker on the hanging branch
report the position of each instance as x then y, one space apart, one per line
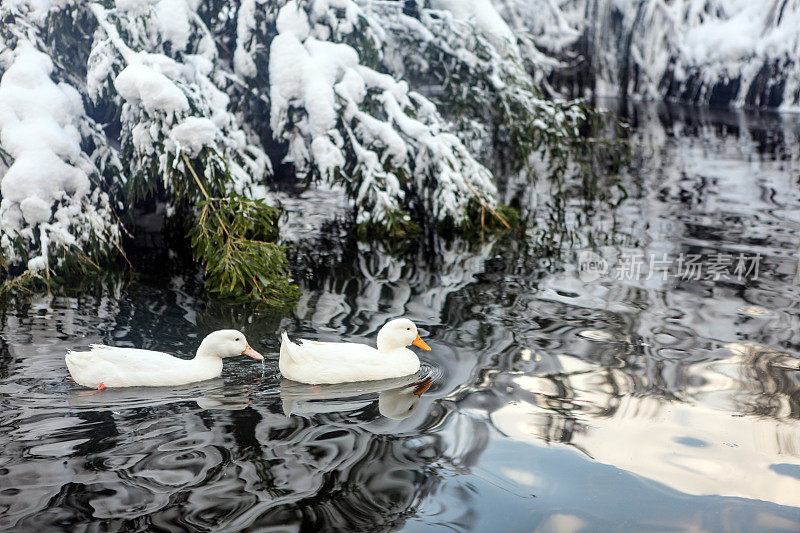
238 250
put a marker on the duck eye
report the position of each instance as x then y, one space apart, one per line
236 339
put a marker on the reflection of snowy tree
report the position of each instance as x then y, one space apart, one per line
415 285
715 52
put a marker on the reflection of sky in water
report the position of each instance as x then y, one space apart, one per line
555 405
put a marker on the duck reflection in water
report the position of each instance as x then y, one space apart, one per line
397 398
211 394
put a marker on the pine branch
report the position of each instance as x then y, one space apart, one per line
234 239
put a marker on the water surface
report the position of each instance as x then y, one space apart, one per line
557 403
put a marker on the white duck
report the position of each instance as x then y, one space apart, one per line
342 362
106 366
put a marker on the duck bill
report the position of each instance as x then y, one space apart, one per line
421 343
252 353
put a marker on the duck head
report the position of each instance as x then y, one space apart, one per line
227 343
399 333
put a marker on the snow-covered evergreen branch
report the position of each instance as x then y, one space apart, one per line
181 100
718 52
171 105
52 200
488 89
344 119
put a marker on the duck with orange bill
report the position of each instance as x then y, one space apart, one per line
316 362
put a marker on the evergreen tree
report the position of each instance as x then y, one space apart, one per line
181 101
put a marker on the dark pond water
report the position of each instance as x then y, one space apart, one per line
624 398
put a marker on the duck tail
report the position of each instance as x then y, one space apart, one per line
74 359
286 347
100 347
76 364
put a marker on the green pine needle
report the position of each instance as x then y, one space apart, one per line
234 239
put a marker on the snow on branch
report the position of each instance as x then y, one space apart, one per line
717 52
487 89
181 100
50 200
346 120
171 105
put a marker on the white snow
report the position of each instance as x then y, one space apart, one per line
172 17
243 63
697 42
327 155
292 19
483 15
325 66
332 97
352 87
43 189
303 74
139 83
134 6
307 73
143 139
35 9
287 57
159 90
193 134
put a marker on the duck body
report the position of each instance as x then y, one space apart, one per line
343 362
108 366
131 367
331 362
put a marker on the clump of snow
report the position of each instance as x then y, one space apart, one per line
243 62
36 10
139 83
482 15
44 188
327 155
144 139
135 6
172 17
292 19
193 134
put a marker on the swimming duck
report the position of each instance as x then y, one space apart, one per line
342 362
107 366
